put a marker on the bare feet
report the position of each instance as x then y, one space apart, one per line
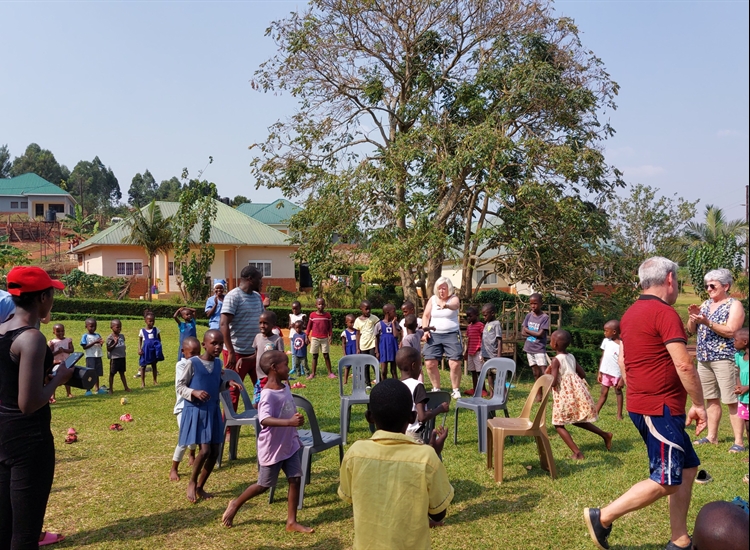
294 526
191 492
127 390
203 494
229 514
577 456
191 458
608 440
174 475
619 418
434 524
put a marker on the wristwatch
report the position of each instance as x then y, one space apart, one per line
711 325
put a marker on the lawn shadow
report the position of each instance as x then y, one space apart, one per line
464 489
325 544
484 508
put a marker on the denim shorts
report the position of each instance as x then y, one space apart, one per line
292 466
669 448
444 345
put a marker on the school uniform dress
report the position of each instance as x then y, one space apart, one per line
187 328
152 350
201 420
388 344
350 346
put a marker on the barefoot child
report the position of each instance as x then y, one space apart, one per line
536 328
61 348
149 348
397 486
409 362
573 403
278 443
609 370
742 389
201 423
387 335
349 342
185 319
365 327
492 340
191 347
320 333
91 342
116 354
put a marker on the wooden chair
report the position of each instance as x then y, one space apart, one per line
499 428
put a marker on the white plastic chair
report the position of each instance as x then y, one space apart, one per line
359 395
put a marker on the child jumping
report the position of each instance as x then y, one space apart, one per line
298 341
149 348
278 443
349 342
320 333
201 423
185 318
61 348
91 342
536 328
573 403
742 389
116 354
609 369
191 347
387 335
409 362
473 351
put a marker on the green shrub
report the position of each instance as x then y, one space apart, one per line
84 285
135 308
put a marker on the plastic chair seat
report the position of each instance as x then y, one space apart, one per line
359 395
234 420
499 428
485 407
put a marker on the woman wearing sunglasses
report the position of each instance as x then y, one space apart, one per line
715 322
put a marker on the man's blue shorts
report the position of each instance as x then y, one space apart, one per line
669 447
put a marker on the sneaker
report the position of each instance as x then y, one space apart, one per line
88 392
435 389
137 374
596 530
456 393
102 391
672 546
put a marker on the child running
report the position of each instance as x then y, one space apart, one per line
278 443
349 342
365 327
320 333
409 362
609 369
191 347
149 348
91 342
298 341
492 340
201 423
742 389
61 348
387 335
573 403
185 318
116 354
266 340
473 351
536 328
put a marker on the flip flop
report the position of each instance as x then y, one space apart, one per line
703 441
703 477
116 427
126 418
72 431
51 538
72 438
737 449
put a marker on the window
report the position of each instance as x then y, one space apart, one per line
264 266
14 205
170 268
129 267
491 277
39 210
24 204
57 208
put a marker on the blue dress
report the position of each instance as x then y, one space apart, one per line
388 342
186 329
201 420
351 342
152 350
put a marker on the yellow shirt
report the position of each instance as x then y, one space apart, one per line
366 329
393 482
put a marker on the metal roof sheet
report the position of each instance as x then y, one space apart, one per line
275 213
29 184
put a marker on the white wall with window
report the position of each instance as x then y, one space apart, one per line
491 278
128 268
264 266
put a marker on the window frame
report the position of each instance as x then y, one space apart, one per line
14 205
264 263
125 263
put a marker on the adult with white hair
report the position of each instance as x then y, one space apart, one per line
715 321
443 335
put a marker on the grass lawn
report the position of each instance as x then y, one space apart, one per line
112 489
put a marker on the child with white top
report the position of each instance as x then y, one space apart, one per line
609 369
91 342
191 347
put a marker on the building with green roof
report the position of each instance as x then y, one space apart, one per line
275 214
33 196
238 239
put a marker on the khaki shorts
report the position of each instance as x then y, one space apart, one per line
539 359
319 344
718 380
474 362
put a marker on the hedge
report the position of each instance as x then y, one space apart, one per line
118 308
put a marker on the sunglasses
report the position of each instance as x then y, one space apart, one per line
711 286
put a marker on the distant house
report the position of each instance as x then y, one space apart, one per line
239 240
275 214
33 196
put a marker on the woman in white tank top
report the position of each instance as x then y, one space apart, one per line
442 334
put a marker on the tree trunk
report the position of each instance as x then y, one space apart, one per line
434 269
409 286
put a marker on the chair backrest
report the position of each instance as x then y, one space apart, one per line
358 363
228 375
434 399
544 383
312 421
504 369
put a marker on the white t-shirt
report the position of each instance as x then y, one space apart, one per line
609 358
444 319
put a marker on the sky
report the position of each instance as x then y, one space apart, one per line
163 85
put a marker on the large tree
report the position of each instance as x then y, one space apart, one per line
143 188
5 162
152 231
427 118
94 186
42 163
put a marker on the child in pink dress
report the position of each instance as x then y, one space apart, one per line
573 403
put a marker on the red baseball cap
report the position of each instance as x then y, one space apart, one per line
30 279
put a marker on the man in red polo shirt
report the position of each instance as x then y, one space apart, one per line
659 375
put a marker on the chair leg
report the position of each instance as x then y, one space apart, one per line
341 454
234 437
544 445
270 494
482 416
490 445
306 462
455 428
499 448
221 452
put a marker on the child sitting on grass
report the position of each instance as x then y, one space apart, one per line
201 423
116 354
396 485
573 403
61 348
91 342
279 445
609 369
409 362
191 347
185 318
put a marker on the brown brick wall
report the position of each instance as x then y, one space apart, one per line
139 287
286 284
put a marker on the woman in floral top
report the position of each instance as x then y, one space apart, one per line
715 322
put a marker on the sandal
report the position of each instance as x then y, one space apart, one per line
71 438
72 431
737 449
703 441
116 427
126 418
50 538
703 477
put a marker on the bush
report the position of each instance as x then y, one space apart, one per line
113 308
84 285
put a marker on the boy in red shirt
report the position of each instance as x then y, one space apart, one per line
320 333
473 353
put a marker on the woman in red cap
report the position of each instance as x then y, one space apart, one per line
27 450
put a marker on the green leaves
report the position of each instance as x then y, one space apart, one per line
150 230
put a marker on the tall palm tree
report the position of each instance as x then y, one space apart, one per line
152 231
716 224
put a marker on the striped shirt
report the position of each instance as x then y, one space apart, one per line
246 308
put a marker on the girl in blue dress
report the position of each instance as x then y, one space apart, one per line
387 333
149 348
